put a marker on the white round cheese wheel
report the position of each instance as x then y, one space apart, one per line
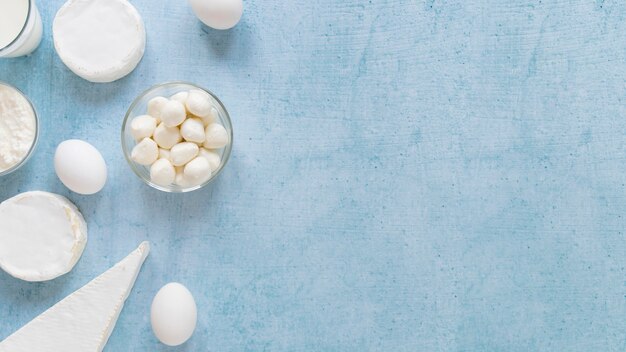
42 236
99 40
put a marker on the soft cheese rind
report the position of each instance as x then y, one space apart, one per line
42 236
99 40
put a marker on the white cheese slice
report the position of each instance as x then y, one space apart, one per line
99 40
84 320
42 236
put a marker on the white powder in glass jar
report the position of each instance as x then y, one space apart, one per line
17 127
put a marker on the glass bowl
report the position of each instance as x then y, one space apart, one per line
140 107
35 139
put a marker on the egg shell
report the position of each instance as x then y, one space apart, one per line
80 166
218 14
173 314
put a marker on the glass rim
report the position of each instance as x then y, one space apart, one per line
225 157
31 5
35 139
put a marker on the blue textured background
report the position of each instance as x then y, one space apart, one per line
407 175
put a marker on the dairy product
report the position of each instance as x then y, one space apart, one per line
99 40
184 149
143 127
42 236
192 130
145 152
20 27
162 172
216 136
13 15
84 320
18 127
182 153
197 170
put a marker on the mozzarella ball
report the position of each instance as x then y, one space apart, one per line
218 14
214 158
162 172
213 116
166 137
180 97
215 136
145 152
198 103
155 105
173 113
192 130
197 170
142 126
183 152
180 177
164 154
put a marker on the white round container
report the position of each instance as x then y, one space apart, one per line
20 27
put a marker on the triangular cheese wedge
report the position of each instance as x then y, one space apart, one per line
84 320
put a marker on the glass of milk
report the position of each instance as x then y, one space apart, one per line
20 27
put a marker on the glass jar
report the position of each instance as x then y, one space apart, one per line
21 25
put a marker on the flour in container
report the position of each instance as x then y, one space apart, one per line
18 127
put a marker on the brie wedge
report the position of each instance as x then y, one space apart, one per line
84 320
99 40
42 236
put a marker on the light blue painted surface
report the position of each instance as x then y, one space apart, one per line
406 176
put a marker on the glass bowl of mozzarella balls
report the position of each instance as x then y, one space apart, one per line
177 137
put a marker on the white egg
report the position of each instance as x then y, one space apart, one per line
80 166
218 14
173 314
